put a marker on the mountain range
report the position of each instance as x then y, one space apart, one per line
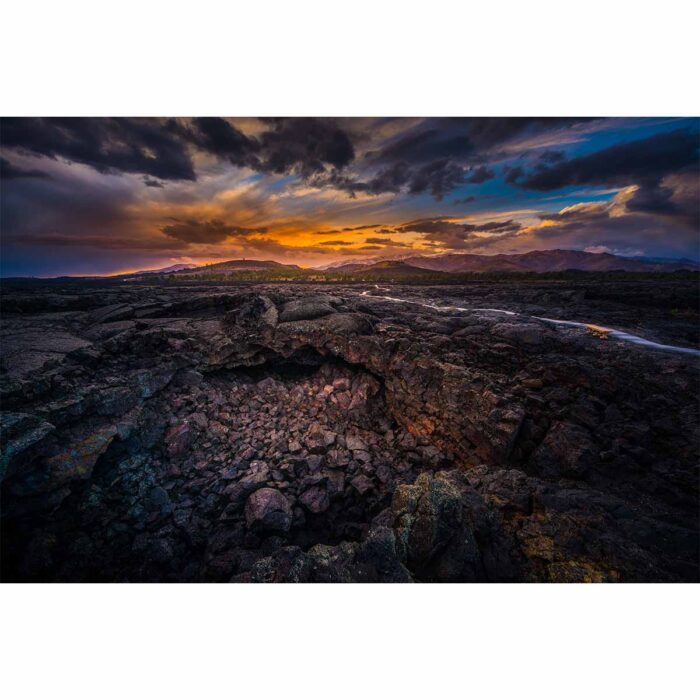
537 261
543 261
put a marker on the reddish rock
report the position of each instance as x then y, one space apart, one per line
353 442
362 484
177 439
315 499
267 510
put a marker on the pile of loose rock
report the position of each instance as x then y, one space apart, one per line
244 466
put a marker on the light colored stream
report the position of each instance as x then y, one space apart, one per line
602 330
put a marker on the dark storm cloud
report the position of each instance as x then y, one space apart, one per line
304 146
438 178
212 231
478 175
499 226
301 146
335 243
390 179
419 222
513 174
370 247
329 232
645 161
494 131
361 228
464 200
464 139
653 200
150 182
426 145
441 225
8 171
433 157
676 198
146 146
347 229
161 147
387 242
219 137
441 154
552 156
462 236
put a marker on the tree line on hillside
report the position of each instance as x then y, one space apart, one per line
423 277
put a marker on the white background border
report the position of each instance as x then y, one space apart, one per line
360 58
349 641
611 58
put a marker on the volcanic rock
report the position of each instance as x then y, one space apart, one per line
268 510
297 433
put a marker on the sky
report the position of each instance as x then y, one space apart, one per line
87 196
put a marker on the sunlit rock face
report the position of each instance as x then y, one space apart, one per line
310 433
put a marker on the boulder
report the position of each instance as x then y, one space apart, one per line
434 534
353 442
267 510
304 310
315 499
362 484
178 439
567 450
19 433
525 333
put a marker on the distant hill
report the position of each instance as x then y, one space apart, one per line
387 268
464 262
543 261
239 266
692 264
164 270
347 267
359 261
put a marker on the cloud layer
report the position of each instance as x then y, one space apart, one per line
117 193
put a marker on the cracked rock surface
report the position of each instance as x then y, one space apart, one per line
311 433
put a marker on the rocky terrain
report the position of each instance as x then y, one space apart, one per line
306 433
